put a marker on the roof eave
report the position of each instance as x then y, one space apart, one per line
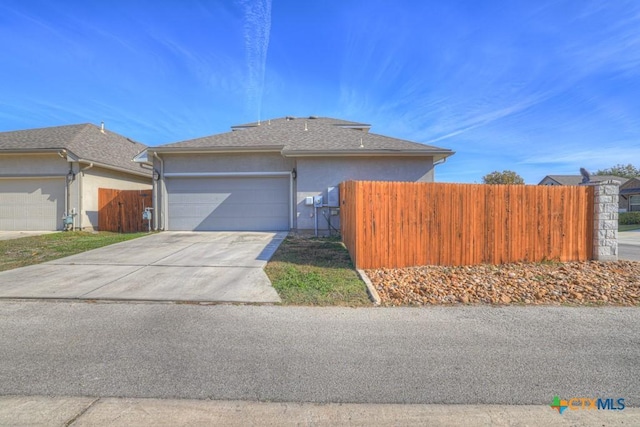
228 149
438 154
116 168
32 150
548 176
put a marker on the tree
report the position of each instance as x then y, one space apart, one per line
624 171
504 177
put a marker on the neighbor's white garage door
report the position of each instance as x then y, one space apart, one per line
224 203
31 204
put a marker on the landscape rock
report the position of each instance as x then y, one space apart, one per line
571 283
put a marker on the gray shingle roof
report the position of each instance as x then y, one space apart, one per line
632 186
577 179
85 141
305 136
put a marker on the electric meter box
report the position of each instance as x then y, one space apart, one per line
317 201
308 201
333 197
146 214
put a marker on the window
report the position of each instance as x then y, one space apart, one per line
634 203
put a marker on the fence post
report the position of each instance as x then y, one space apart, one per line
605 220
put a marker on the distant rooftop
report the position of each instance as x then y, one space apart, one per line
577 179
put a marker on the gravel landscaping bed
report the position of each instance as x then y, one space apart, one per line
578 283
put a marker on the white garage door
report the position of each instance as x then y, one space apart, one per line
224 203
31 204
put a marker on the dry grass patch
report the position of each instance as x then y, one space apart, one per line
315 271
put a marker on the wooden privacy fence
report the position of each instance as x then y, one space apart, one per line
400 224
121 210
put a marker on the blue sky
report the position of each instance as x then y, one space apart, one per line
538 87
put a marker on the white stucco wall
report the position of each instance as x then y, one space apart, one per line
96 178
316 174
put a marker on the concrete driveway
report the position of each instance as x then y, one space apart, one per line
10 235
169 266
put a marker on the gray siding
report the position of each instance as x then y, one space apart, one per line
316 174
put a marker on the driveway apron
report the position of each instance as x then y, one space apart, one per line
169 266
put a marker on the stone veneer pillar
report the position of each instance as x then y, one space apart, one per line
605 220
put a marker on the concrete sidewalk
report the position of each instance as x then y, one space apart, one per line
90 411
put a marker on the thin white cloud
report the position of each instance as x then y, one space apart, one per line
257 30
592 157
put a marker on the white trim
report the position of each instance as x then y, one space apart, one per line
116 168
33 176
368 153
290 200
223 174
219 150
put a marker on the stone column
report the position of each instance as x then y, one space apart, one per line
605 220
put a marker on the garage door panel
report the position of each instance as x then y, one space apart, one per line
249 210
31 204
234 196
248 203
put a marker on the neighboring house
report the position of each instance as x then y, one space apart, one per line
577 180
630 195
49 172
263 176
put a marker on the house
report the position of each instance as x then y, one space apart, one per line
630 195
265 175
577 180
50 172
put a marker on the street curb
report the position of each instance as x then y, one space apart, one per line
373 294
98 411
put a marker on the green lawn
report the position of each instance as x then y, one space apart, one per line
37 249
316 271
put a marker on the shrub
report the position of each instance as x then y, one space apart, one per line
629 218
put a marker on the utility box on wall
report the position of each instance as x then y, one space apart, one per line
333 197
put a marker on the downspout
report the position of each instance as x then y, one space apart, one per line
154 197
63 153
161 182
80 197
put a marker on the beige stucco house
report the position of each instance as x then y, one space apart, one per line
48 173
264 176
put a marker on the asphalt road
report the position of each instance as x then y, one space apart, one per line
629 252
462 355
